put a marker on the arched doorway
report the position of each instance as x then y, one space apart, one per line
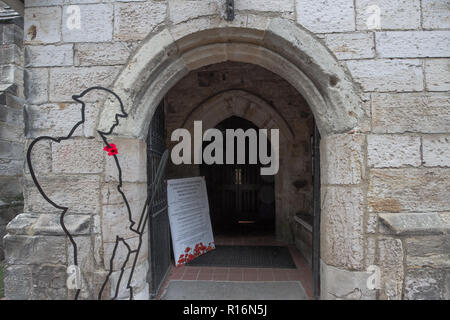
241 200
248 209
285 48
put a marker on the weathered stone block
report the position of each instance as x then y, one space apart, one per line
435 14
413 44
65 191
47 56
8 74
370 245
388 75
391 264
27 250
436 74
9 210
270 6
413 223
46 276
13 33
12 77
58 119
11 99
11 150
340 284
411 112
65 82
85 256
351 45
11 115
92 111
182 32
91 285
400 14
20 225
77 156
133 21
196 58
423 246
326 15
409 189
11 188
49 282
138 282
11 167
38 3
342 159
342 227
132 158
97 243
36 85
436 151
133 191
116 220
41 157
372 223
181 10
445 216
393 151
122 251
49 224
45 293
96 24
438 261
10 54
97 54
17 282
42 25
144 294
424 284
12 133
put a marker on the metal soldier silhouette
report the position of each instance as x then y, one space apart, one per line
137 227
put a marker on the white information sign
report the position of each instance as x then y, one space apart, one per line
189 218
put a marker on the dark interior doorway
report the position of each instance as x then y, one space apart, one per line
241 200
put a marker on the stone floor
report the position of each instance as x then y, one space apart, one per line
236 290
301 274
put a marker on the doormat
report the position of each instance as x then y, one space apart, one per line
246 257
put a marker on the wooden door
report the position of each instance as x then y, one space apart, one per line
234 190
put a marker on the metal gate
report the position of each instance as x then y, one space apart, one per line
159 237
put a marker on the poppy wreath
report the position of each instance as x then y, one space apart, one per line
190 254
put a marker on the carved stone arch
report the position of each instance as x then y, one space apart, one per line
243 104
277 44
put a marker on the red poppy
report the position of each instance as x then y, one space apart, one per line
111 149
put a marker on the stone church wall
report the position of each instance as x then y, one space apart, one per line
385 183
11 118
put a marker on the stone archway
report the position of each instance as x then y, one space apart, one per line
276 44
245 105
253 108
282 47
